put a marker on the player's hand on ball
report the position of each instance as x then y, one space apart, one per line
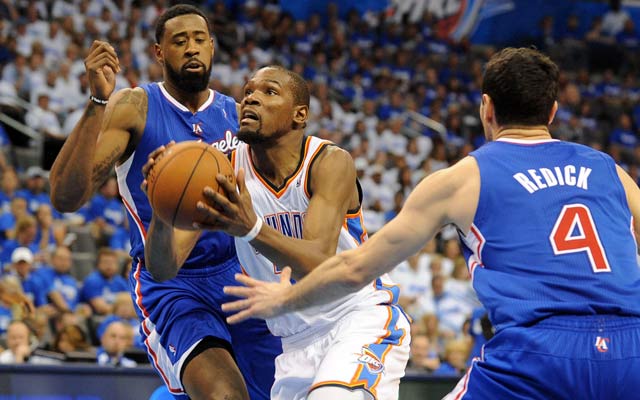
102 64
232 213
260 299
154 156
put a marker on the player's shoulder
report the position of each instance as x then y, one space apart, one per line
129 96
328 153
128 109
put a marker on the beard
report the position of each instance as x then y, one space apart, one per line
251 136
190 82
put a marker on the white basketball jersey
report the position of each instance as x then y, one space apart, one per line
284 209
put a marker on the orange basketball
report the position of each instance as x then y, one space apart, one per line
177 180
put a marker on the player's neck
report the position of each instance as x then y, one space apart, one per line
191 100
523 132
278 162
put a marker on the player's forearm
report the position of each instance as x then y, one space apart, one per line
351 270
333 279
303 256
161 257
72 173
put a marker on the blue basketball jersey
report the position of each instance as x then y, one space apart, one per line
552 234
215 122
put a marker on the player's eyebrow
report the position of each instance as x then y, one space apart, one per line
274 82
186 33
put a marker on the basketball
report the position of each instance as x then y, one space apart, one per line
176 181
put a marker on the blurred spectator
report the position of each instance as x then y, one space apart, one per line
8 188
22 266
117 337
423 356
451 312
455 358
71 338
25 236
18 344
106 213
101 286
413 277
62 288
614 19
35 189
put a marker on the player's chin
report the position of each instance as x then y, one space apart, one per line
249 134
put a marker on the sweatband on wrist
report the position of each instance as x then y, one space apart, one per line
253 233
98 101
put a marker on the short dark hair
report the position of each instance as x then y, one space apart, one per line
299 86
176 11
523 85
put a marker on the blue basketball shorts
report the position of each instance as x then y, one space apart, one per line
563 357
177 314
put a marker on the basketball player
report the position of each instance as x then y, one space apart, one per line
188 341
548 231
307 204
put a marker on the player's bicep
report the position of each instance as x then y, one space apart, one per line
444 197
333 186
125 114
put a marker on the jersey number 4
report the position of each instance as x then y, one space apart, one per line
575 231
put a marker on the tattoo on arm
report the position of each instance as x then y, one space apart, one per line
138 100
102 169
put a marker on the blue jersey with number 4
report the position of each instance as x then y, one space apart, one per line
552 234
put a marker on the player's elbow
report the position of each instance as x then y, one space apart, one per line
64 202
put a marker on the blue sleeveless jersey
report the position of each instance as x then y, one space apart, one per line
216 122
552 234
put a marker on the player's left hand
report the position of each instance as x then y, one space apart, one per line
232 213
260 299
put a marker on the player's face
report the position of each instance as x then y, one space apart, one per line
186 51
267 109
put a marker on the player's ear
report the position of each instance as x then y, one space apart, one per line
554 110
159 54
487 109
300 115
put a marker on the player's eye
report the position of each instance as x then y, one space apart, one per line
200 41
272 92
180 42
247 92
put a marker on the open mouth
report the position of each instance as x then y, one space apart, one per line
248 115
193 66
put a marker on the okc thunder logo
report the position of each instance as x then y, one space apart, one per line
371 361
602 344
460 18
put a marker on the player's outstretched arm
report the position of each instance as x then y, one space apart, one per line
332 194
447 196
78 165
166 248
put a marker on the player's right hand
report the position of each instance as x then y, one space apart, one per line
102 64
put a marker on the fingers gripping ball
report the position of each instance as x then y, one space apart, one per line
176 181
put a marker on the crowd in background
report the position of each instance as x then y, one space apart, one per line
402 99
